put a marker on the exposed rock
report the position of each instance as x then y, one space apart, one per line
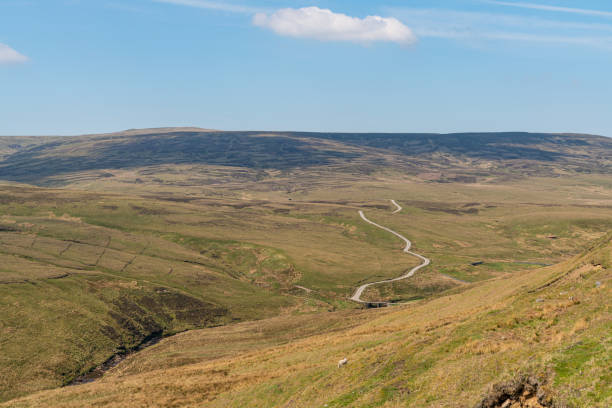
523 392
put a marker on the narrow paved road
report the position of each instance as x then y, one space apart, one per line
399 207
357 295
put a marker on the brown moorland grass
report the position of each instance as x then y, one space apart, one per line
137 243
552 323
131 260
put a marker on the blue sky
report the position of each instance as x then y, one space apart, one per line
86 66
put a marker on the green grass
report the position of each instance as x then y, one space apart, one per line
423 355
193 245
574 358
243 260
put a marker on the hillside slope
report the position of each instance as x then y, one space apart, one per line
156 231
93 275
541 338
474 155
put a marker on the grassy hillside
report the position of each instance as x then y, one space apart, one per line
91 274
473 155
154 232
13 144
541 336
85 291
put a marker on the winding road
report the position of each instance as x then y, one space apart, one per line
359 291
399 207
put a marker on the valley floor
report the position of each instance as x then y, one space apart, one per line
254 285
550 327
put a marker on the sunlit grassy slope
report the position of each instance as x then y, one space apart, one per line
154 232
88 274
552 324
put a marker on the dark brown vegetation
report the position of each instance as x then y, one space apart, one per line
523 392
465 157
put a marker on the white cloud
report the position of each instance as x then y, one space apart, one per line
10 56
213 5
546 7
323 24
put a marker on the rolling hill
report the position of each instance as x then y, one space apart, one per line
474 155
110 243
536 339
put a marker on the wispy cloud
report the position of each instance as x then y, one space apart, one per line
10 56
545 7
325 25
601 42
473 26
215 5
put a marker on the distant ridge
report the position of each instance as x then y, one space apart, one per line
462 157
147 131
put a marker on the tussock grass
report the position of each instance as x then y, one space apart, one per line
552 322
122 253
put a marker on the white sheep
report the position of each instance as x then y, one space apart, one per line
342 362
